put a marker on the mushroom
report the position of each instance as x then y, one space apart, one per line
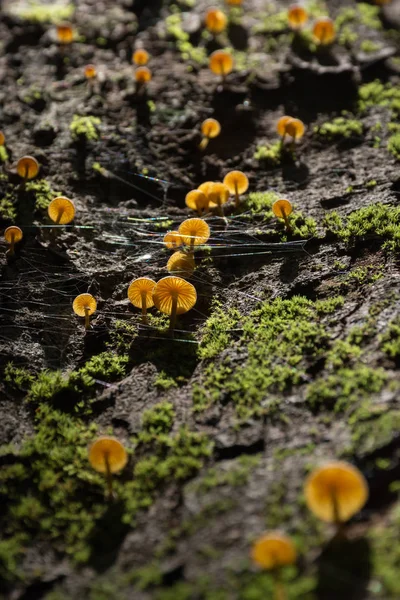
272 551
237 183
215 20
174 296
221 63
206 187
324 31
172 240
27 167
2 138
140 57
140 293
234 2
107 455
61 210
90 72
181 264
197 200
142 76
210 128
336 491
290 126
84 305
218 195
282 209
194 232
65 34
297 17
12 235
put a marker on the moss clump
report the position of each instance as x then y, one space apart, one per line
259 202
377 93
393 145
42 191
390 341
372 431
8 211
164 382
369 15
340 128
44 13
377 220
158 420
368 46
187 50
106 365
269 153
85 128
17 377
3 154
385 554
217 331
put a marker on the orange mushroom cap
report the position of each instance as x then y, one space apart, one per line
65 33
170 288
172 240
27 167
181 264
142 289
218 194
295 128
107 450
13 234
221 63
210 128
197 200
61 210
83 303
282 208
273 550
336 491
194 232
90 72
2 138
206 187
236 182
324 31
281 125
215 20
142 75
234 2
140 57
297 16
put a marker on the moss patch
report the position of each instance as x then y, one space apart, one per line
85 128
340 128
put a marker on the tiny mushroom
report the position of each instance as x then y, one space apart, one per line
221 63
273 551
27 167
174 296
335 492
324 31
194 232
2 138
65 33
237 183
218 195
215 20
197 200
210 128
140 293
140 57
234 2
90 72
297 17
206 187
181 264
61 210
12 236
142 76
107 455
84 305
282 209
172 240
290 126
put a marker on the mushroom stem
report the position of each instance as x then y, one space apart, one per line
204 143
279 588
59 215
336 512
236 195
173 314
11 249
286 219
220 209
221 63
87 318
108 477
144 308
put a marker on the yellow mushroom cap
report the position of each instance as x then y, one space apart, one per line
2 138
61 210
324 31
210 128
170 288
139 289
221 62
236 182
297 16
197 200
140 57
194 232
142 74
295 128
273 550
234 2
90 71
83 303
107 449
27 167
282 208
172 239
181 264
206 187
13 234
281 125
215 20
218 194
65 33
336 482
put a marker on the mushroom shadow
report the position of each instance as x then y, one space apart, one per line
344 569
289 269
107 538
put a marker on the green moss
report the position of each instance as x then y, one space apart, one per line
269 153
371 430
390 341
106 365
44 13
393 145
85 128
216 333
385 555
164 382
17 377
377 93
259 202
369 15
236 475
3 154
159 419
340 128
8 211
368 46
122 334
42 191
188 52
